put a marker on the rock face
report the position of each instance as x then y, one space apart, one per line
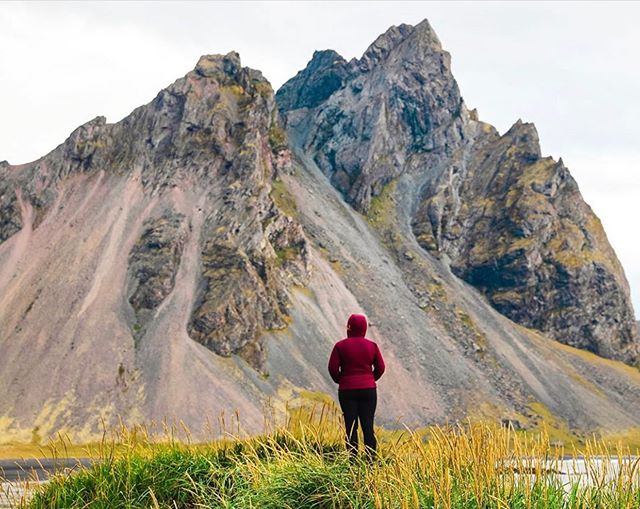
512 222
516 227
196 258
154 262
397 102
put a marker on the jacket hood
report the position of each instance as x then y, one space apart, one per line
357 326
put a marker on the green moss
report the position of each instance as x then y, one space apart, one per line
522 243
382 208
382 217
234 89
277 137
538 172
571 248
286 254
465 318
436 289
557 429
263 88
283 199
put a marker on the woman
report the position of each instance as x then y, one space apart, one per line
350 366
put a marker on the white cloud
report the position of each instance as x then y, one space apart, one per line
569 67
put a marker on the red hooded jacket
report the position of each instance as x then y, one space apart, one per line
352 358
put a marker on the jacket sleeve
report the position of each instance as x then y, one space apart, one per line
334 364
378 364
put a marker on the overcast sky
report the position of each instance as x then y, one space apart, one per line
571 68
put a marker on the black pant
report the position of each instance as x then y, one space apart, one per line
359 404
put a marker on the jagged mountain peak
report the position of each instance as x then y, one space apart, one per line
326 58
324 74
399 98
525 136
382 46
418 42
511 222
402 51
193 258
519 126
229 67
219 65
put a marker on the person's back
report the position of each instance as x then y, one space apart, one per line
350 366
357 355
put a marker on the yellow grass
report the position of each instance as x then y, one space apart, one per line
301 462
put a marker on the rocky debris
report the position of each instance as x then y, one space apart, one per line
511 222
515 226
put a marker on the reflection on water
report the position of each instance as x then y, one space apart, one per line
600 471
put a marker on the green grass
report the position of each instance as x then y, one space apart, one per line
302 464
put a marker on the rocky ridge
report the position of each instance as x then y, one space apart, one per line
511 222
515 226
209 130
166 217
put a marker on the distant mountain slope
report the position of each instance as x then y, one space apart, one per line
193 259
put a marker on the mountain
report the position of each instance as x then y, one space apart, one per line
512 223
136 253
203 254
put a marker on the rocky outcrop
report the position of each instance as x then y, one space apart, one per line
10 219
244 293
153 264
515 226
325 73
511 222
398 101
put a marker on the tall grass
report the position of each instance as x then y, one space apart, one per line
303 464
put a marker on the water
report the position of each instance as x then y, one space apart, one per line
19 477
597 471
13 492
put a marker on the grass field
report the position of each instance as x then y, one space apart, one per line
302 464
